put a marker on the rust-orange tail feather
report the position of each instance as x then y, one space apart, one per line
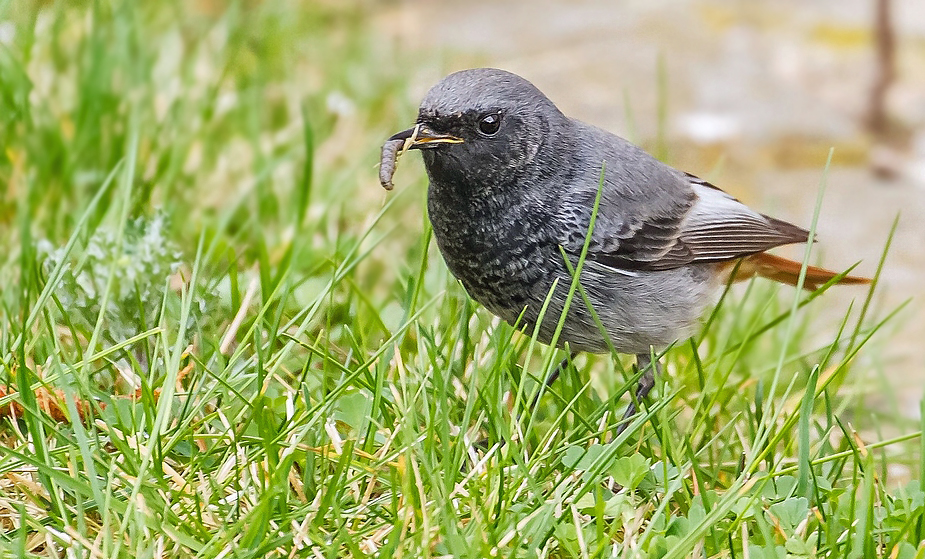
788 271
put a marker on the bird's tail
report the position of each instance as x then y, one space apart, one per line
788 271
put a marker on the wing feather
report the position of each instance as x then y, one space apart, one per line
716 228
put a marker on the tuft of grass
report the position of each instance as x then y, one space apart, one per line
219 339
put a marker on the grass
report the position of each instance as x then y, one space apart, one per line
219 338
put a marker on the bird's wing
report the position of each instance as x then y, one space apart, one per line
712 227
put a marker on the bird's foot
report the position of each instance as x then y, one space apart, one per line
649 369
553 376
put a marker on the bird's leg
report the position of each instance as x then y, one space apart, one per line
554 375
649 369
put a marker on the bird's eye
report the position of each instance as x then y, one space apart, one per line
490 123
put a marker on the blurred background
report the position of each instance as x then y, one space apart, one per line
257 118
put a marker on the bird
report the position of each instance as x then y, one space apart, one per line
520 195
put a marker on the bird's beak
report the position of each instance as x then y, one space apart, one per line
422 137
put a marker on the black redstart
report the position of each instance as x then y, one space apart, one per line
513 186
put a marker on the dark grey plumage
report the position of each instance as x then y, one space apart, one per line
501 206
513 183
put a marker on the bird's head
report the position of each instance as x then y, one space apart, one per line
483 128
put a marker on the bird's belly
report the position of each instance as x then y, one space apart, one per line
637 310
513 270
501 276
